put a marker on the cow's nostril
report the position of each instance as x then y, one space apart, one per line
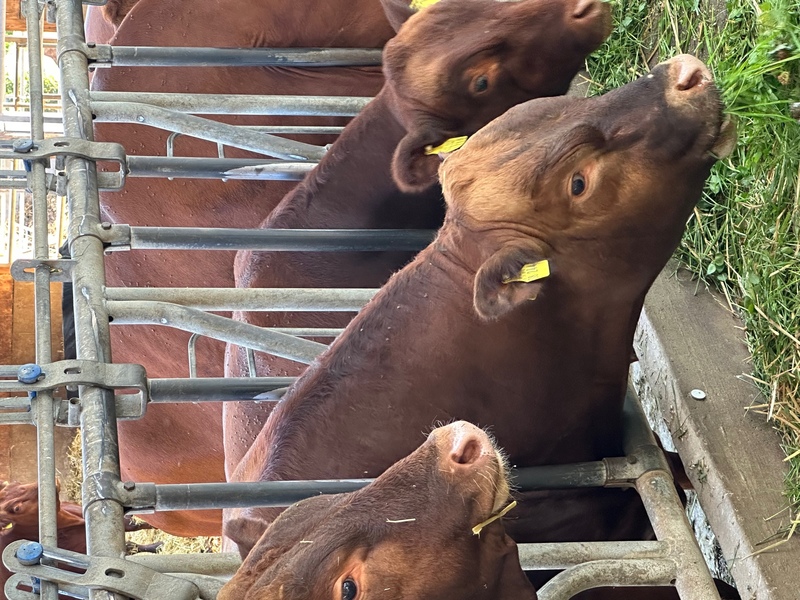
584 8
692 73
466 451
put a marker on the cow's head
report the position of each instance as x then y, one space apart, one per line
601 187
408 535
19 506
457 64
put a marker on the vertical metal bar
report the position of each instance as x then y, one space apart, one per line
104 531
3 58
42 403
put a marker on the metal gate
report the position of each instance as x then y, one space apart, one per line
67 165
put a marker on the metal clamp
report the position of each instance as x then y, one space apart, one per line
63 146
86 372
113 574
24 269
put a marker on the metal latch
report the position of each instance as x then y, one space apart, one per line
100 573
64 146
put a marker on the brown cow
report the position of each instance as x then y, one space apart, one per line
184 443
432 92
19 520
408 535
600 188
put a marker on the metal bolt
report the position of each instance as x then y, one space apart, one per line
163 320
105 225
129 486
22 145
29 373
698 394
30 553
36 585
140 118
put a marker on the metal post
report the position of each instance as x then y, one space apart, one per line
41 403
104 531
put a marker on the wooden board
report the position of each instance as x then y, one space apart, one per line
688 339
15 20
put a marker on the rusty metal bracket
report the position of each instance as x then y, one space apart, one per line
102 573
24 269
64 146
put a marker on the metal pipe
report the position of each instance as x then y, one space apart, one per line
205 129
42 403
604 573
207 496
216 389
148 56
223 564
214 326
578 475
279 240
217 168
100 446
562 555
255 299
242 104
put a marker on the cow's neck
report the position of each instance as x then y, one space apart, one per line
352 187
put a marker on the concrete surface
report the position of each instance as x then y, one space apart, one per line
688 339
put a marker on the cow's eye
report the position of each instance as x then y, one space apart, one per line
349 589
16 508
578 184
480 84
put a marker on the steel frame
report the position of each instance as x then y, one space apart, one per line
673 560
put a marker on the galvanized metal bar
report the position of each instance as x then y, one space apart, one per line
214 326
242 104
603 573
216 389
203 496
205 129
278 240
665 509
562 555
41 404
256 299
588 474
151 56
223 564
100 446
218 168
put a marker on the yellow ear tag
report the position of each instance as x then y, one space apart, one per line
420 4
531 272
447 146
479 527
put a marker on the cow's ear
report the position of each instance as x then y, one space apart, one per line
398 11
512 276
244 529
413 170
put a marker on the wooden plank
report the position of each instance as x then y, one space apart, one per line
688 339
15 20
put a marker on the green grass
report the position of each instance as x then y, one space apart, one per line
743 236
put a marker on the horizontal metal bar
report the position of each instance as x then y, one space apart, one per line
275 240
205 129
214 326
218 168
150 56
16 418
222 564
605 573
256 299
587 474
561 555
203 496
242 104
219 389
